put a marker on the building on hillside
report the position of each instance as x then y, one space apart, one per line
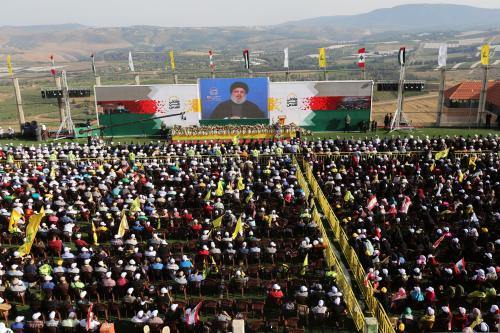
461 104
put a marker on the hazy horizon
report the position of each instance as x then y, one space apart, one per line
194 13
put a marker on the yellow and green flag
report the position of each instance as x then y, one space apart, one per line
241 185
485 55
348 196
135 206
236 140
208 195
220 189
305 265
9 66
31 230
442 154
15 216
472 161
238 229
123 225
217 223
322 58
94 234
250 196
172 60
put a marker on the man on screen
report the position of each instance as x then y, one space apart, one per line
237 107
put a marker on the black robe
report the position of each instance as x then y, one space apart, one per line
229 109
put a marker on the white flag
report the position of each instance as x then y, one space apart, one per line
131 62
443 53
286 58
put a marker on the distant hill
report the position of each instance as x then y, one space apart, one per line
73 42
418 17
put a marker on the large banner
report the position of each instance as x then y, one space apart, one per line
234 99
317 106
117 105
321 105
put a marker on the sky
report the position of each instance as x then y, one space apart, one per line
192 13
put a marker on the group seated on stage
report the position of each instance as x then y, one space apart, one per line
238 130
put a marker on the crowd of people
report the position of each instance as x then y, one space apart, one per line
425 226
147 232
239 130
159 242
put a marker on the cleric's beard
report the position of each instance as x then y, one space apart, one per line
243 100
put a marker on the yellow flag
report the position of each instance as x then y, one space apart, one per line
9 66
460 176
241 185
322 58
348 196
14 219
250 196
123 225
236 140
238 229
214 264
442 154
135 206
31 230
485 55
52 172
208 195
172 60
433 166
472 161
220 189
94 234
217 223
305 265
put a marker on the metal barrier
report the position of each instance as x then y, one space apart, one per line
357 269
350 299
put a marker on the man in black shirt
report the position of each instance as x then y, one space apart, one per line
238 107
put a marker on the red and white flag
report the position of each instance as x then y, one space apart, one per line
89 317
53 68
192 316
211 57
406 205
372 202
459 266
361 57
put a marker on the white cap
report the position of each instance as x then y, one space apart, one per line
174 306
276 287
52 315
123 274
19 319
163 290
83 294
321 302
108 274
303 289
36 315
130 291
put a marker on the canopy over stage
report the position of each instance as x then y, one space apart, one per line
312 105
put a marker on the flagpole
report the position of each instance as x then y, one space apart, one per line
287 74
19 102
482 97
57 81
441 96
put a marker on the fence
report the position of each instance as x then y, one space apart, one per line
357 269
352 303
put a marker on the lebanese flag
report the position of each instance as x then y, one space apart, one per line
372 202
53 69
406 205
211 57
192 318
361 57
459 266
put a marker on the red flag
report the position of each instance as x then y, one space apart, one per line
361 58
53 69
459 266
89 317
372 202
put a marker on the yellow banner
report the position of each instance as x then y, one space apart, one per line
238 229
442 154
136 205
172 60
9 66
322 58
485 55
31 231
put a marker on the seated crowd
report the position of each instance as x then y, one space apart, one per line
159 243
426 228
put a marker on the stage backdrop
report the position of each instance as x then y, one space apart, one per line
317 106
321 105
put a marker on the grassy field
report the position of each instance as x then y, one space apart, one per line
418 132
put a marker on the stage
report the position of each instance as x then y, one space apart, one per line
231 137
